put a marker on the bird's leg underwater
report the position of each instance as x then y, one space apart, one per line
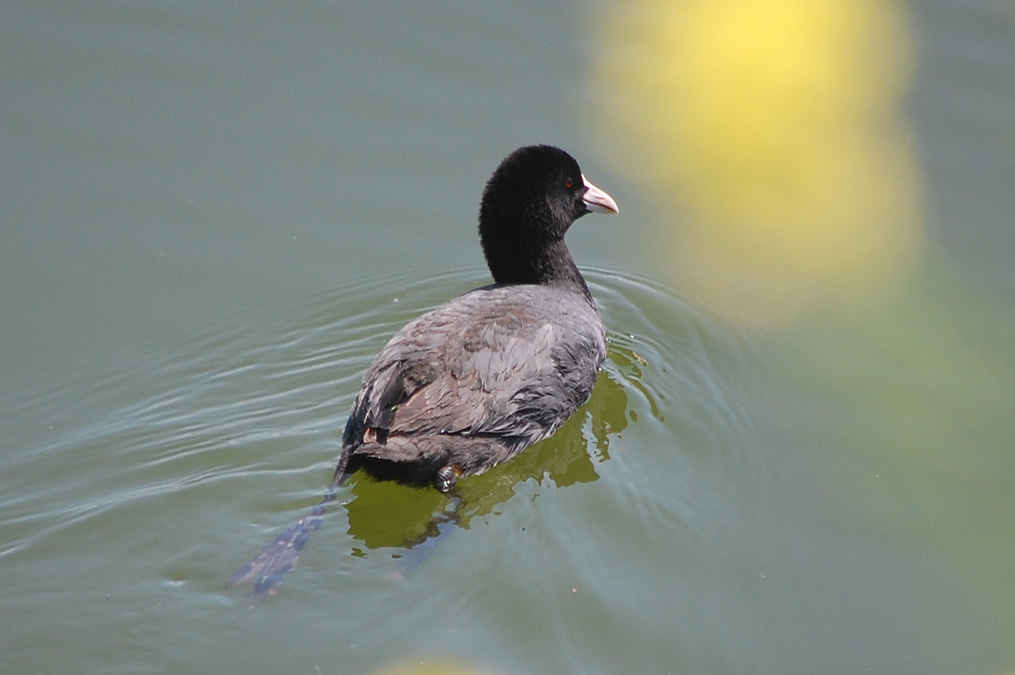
268 568
420 548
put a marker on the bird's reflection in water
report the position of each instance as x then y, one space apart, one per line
412 521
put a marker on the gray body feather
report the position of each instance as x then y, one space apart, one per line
438 396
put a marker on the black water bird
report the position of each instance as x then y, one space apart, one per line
477 380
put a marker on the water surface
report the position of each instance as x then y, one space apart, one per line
216 215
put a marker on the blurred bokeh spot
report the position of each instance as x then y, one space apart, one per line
430 668
770 136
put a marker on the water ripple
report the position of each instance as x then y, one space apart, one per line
243 419
693 381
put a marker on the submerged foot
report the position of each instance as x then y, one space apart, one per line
268 568
447 476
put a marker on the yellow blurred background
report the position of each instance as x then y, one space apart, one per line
770 136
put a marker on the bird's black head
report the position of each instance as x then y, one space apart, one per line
528 205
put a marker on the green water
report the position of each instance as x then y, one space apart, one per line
214 216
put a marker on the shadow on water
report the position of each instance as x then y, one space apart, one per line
413 520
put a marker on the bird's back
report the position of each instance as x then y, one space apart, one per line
475 381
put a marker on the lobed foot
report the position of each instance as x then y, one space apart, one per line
447 476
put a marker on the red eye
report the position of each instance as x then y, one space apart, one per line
568 183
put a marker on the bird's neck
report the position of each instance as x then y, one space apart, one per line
511 262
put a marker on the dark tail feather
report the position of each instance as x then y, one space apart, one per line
267 570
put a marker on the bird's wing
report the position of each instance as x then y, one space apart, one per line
499 376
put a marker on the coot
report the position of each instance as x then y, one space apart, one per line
479 379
